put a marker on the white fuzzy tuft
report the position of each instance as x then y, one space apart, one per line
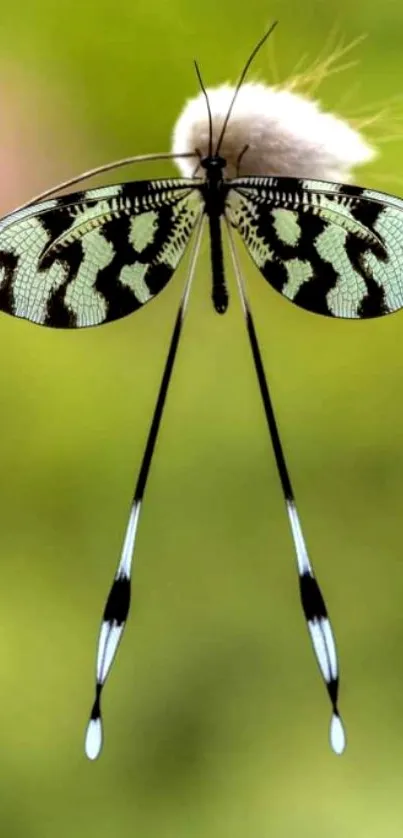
287 135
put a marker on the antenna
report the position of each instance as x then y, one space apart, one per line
210 121
240 82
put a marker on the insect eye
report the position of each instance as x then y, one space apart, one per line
213 162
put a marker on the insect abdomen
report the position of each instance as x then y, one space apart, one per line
219 292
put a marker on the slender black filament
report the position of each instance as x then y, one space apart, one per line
210 120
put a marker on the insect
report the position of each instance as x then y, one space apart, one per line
94 256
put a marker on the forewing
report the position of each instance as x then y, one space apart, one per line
332 249
95 256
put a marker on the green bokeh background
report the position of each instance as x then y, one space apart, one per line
216 718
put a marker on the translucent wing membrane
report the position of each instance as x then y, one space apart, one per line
95 256
332 249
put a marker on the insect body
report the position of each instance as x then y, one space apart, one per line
95 256
214 207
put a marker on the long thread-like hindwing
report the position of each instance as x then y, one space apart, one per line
95 256
330 248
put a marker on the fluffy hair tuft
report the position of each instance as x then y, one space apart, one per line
286 134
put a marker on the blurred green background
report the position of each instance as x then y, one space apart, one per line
216 717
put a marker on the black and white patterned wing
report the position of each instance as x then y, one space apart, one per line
95 256
332 249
